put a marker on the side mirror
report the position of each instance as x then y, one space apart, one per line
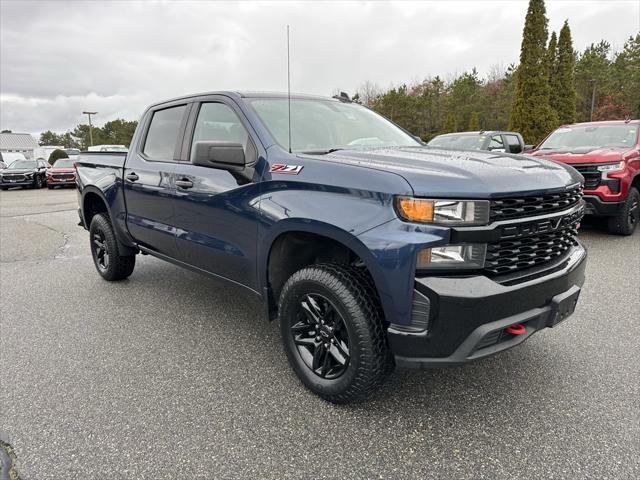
222 155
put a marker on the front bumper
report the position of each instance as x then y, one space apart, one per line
21 183
468 315
596 206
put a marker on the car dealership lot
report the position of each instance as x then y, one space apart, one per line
173 375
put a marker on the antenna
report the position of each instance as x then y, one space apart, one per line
289 87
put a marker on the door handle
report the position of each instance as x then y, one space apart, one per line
184 183
132 177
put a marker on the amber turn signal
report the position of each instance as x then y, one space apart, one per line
416 210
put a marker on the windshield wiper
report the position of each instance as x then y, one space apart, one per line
323 152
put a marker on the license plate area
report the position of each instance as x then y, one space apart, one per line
564 305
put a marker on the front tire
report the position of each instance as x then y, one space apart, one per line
626 221
111 265
331 324
37 182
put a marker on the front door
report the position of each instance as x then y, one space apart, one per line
215 219
148 181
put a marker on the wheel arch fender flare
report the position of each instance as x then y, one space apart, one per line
332 232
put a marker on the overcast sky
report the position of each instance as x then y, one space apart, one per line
60 58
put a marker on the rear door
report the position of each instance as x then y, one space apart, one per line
215 213
148 179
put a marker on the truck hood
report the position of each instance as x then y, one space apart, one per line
464 174
584 154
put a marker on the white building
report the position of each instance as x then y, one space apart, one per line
18 142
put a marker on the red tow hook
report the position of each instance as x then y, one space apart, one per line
515 329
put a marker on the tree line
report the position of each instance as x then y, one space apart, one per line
115 132
552 85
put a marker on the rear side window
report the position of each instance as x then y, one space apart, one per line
163 133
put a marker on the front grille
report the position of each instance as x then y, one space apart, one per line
7 178
522 207
507 256
70 176
591 175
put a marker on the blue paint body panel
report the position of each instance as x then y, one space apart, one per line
227 227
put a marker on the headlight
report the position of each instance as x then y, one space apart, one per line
610 168
453 256
444 212
29 175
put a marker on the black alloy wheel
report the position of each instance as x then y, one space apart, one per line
333 332
100 250
633 212
321 337
108 257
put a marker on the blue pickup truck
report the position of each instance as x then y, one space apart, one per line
371 249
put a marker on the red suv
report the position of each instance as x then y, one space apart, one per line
607 154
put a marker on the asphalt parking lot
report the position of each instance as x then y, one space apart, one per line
173 375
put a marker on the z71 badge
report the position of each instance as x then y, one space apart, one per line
287 169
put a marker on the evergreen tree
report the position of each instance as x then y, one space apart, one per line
552 60
564 78
474 122
531 113
449 124
626 75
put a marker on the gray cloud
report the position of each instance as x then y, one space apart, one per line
58 59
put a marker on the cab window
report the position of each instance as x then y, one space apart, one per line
217 122
496 143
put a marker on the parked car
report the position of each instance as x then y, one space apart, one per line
371 249
607 154
8 157
44 152
61 173
72 153
108 148
24 173
496 141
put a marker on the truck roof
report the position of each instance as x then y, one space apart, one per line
248 94
480 132
602 122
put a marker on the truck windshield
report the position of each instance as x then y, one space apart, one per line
458 142
19 164
592 136
319 126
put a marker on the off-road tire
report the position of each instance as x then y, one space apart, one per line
37 182
119 266
352 293
626 221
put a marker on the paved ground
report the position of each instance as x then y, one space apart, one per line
172 375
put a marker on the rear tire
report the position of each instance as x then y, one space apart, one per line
111 265
331 324
626 221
